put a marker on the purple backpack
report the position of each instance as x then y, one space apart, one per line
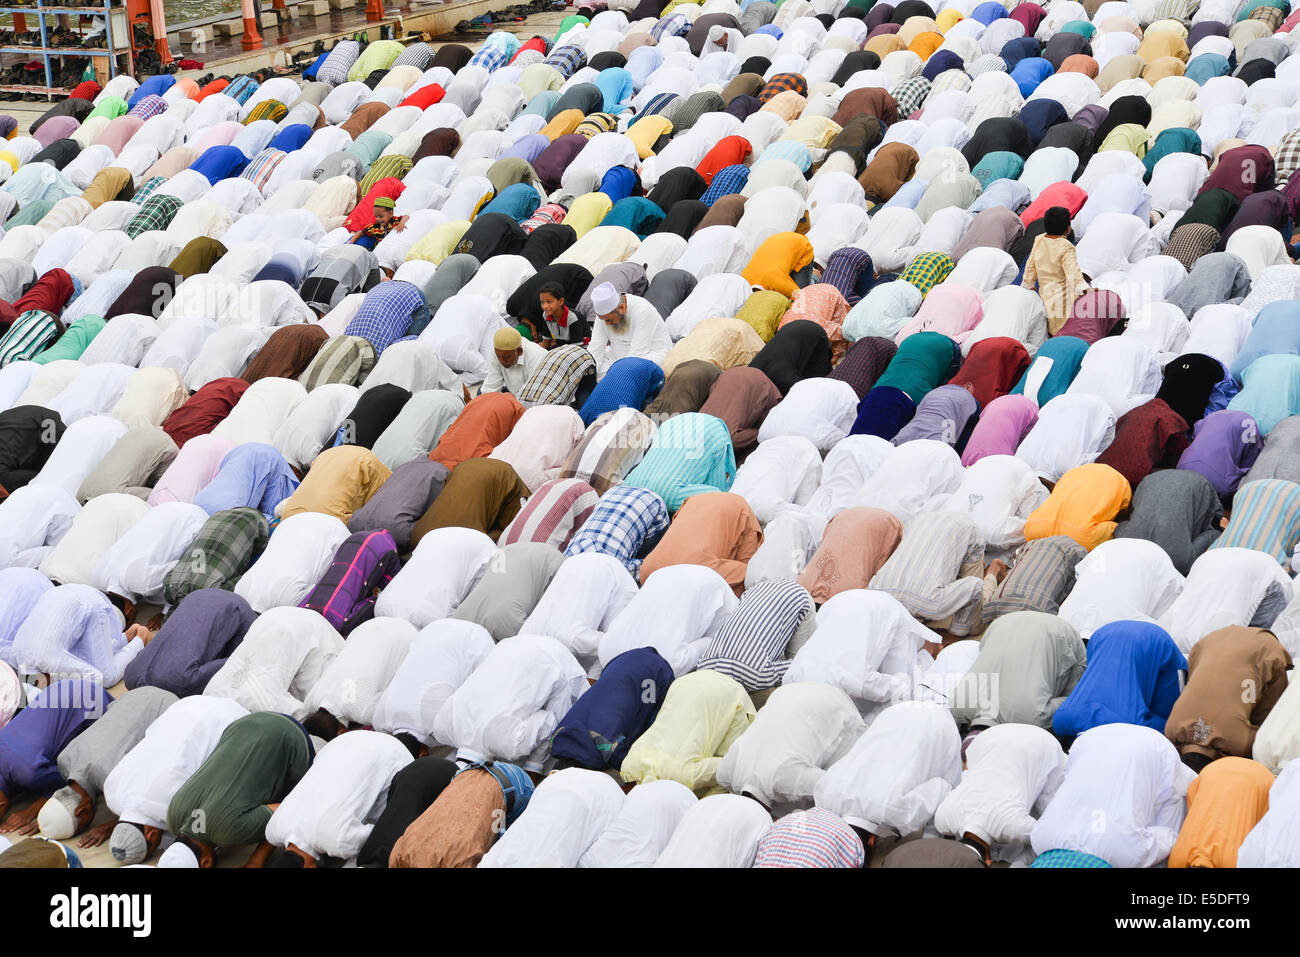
362 566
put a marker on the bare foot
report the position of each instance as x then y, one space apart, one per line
97 835
24 821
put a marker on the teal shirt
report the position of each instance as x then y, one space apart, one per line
692 453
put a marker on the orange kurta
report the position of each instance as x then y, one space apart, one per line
1225 801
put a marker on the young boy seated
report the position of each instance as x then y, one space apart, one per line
385 222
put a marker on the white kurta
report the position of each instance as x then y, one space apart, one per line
1131 780
1275 840
295 559
867 644
142 784
1012 771
442 570
136 564
1122 579
588 592
819 410
440 658
565 816
1224 587
677 612
898 773
333 808
103 521
351 685
845 470
280 659
998 493
641 829
721 830
509 707
33 520
802 730
784 470
911 480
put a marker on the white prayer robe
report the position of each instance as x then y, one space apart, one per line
441 657
1275 840
281 658
351 685
876 665
260 411
721 830
820 410
509 707
998 493
142 784
565 816
442 570
916 478
588 592
800 731
1012 772
845 470
33 520
334 806
643 826
1130 778
1122 579
295 559
677 612
1072 430
784 470
897 773
1224 587
136 564
80 450
94 530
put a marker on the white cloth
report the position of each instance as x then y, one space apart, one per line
136 564
588 592
294 560
1223 587
722 830
442 570
351 685
640 831
820 410
782 471
565 816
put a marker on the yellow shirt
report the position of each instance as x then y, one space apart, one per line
703 714
341 480
440 242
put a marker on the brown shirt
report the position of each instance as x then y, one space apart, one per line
458 828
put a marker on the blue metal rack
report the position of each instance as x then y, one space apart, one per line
112 49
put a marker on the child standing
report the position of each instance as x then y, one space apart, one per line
1053 267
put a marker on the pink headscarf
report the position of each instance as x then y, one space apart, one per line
1005 421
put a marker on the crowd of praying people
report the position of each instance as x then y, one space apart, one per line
840 433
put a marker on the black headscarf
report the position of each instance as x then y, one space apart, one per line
799 350
677 184
492 234
855 62
683 218
1127 109
1187 385
78 109
998 134
28 434
59 153
607 60
1072 136
546 242
1063 46
374 412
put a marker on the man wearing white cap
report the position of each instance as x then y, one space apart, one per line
628 326
90 757
516 359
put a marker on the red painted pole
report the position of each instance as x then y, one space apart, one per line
375 9
252 39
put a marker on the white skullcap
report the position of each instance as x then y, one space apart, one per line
604 299
56 818
178 855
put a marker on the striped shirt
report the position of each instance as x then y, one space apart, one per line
346 359
750 646
417 55
620 524
272 110
812 838
242 88
1040 579
569 59
226 546
692 453
552 514
259 169
30 333
395 166
609 449
923 573
1265 517
342 270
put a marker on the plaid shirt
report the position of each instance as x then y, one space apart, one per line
910 95
726 182
491 57
226 546
149 106
558 377
673 25
1287 159
620 524
156 213
548 214
335 68
1271 16
346 359
1041 576
387 312
812 838
417 55
27 335
147 188
272 110
928 270
949 80
782 82
567 59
